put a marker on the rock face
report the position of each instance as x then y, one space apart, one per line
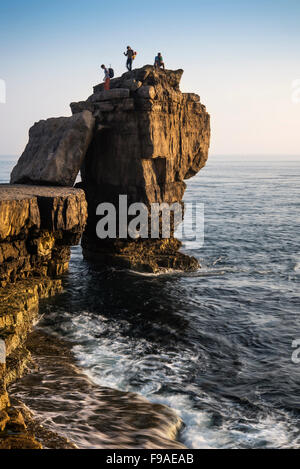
149 137
19 307
55 151
37 227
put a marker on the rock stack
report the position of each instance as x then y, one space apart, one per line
141 139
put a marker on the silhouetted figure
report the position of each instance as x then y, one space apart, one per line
159 61
106 78
130 54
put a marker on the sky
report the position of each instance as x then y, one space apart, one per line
241 57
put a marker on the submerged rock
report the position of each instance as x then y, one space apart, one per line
55 151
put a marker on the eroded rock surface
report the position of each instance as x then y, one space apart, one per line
55 151
37 227
19 307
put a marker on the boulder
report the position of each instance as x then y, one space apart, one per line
55 151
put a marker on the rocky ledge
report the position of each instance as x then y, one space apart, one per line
37 227
18 311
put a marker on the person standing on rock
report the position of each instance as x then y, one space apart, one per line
129 54
159 61
106 78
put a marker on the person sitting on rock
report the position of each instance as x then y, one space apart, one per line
159 61
129 54
106 78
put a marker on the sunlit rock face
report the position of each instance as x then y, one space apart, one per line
37 227
149 138
55 151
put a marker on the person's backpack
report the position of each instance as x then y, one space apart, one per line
111 73
134 55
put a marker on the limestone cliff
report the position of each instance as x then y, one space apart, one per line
149 138
37 227
19 309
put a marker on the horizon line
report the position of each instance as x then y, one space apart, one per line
212 154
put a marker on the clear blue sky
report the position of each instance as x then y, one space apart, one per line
240 56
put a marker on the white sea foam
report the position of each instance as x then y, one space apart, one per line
297 267
109 364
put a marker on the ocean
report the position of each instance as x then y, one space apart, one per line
214 345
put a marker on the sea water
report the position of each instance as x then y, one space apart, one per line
215 345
